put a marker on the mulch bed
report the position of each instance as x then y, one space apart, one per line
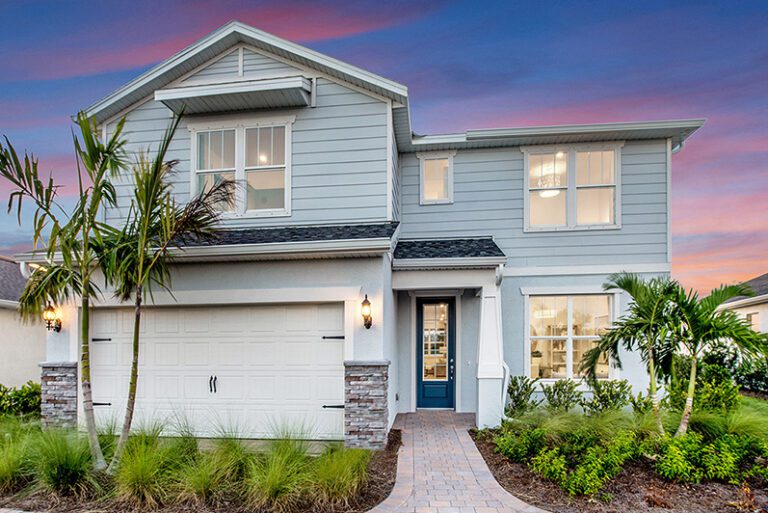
636 489
382 471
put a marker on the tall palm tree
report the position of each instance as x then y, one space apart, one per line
702 324
137 258
72 243
645 328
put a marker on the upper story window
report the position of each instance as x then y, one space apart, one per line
562 329
572 187
753 319
436 177
255 154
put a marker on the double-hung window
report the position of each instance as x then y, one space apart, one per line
562 329
572 187
256 155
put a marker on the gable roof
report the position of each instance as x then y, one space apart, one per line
220 40
759 286
11 281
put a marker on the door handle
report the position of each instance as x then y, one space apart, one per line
215 379
210 384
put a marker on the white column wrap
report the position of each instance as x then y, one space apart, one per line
490 364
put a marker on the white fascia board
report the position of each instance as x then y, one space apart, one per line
504 133
405 264
8 304
587 269
399 91
248 86
748 301
372 246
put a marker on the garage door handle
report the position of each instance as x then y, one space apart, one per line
334 406
215 379
102 404
333 337
210 384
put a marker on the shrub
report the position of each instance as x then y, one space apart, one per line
520 392
600 464
519 448
562 395
550 464
339 474
279 478
63 463
607 396
679 458
21 401
720 459
641 404
715 388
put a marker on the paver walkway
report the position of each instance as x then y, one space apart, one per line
439 470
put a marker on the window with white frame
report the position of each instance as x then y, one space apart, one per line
562 329
255 155
753 319
572 187
436 177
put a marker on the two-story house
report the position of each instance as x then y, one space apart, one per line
365 270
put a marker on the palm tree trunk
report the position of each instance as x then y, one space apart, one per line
85 383
683 427
654 393
131 404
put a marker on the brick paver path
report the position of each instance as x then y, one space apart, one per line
439 470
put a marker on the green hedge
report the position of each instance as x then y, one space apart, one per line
24 400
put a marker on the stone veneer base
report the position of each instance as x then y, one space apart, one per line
366 409
59 394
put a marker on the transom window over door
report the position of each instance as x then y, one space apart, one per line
256 155
572 187
562 329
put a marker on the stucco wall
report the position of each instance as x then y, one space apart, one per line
22 347
761 310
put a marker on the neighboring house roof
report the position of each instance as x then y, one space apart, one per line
477 252
759 286
11 281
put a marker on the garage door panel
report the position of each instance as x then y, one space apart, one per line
274 369
104 354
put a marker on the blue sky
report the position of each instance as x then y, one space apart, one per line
467 65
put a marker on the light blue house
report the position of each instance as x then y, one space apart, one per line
366 270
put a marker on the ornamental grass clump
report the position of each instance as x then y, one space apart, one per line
338 475
280 477
202 481
16 469
145 475
63 463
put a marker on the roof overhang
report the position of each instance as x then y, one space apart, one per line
237 96
676 130
7 304
747 301
224 38
419 264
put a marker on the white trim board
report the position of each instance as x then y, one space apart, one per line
587 269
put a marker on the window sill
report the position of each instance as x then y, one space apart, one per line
589 228
256 214
428 203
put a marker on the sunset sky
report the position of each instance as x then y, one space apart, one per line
467 65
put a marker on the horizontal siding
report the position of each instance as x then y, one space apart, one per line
339 155
488 200
224 69
257 66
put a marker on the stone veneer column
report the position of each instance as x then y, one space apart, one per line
59 400
366 412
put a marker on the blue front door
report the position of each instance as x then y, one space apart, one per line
435 353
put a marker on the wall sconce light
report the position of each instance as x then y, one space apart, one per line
366 310
52 318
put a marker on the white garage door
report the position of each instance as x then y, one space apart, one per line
251 370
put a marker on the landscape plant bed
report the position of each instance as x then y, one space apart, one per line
381 474
636 489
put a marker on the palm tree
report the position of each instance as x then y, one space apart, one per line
645 328
702 324
138 256
72 245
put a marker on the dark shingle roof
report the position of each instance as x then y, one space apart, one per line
758 285
11 281
299 234
448 248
